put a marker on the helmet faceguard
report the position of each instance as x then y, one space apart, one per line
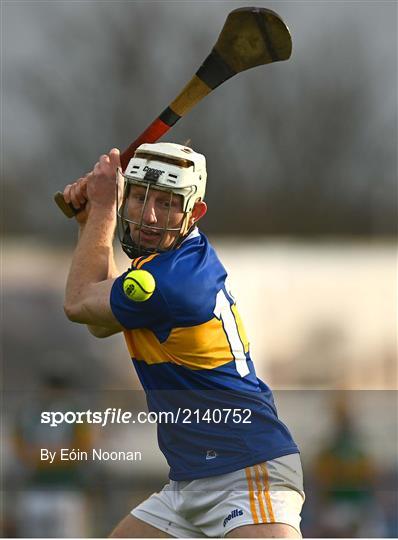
177 171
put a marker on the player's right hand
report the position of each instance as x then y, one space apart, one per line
76 194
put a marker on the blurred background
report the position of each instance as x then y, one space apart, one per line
302 195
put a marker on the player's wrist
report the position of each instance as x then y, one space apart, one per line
103 211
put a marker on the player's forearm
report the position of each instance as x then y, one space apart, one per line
100 331
92 260
113 271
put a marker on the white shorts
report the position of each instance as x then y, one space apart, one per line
270 492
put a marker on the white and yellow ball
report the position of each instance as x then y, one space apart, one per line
139 285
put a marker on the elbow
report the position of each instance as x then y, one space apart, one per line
98 331
72 312
104 331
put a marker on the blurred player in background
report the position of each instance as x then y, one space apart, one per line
235 473
54 504
347 482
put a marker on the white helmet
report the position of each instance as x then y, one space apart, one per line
169 167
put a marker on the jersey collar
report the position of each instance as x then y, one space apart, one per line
193 234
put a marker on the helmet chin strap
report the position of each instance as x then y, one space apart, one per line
185 227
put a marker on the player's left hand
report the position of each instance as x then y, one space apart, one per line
76 194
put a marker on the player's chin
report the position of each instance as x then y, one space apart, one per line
148 240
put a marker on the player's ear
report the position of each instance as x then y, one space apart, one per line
198 211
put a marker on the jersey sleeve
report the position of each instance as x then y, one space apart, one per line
152 313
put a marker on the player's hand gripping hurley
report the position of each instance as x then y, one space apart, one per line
250 37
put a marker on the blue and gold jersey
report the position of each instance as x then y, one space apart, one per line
191 353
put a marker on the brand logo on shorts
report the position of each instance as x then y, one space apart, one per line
235 513
211 454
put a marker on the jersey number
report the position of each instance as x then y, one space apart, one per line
223 311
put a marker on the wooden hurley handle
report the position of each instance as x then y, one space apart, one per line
66 208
